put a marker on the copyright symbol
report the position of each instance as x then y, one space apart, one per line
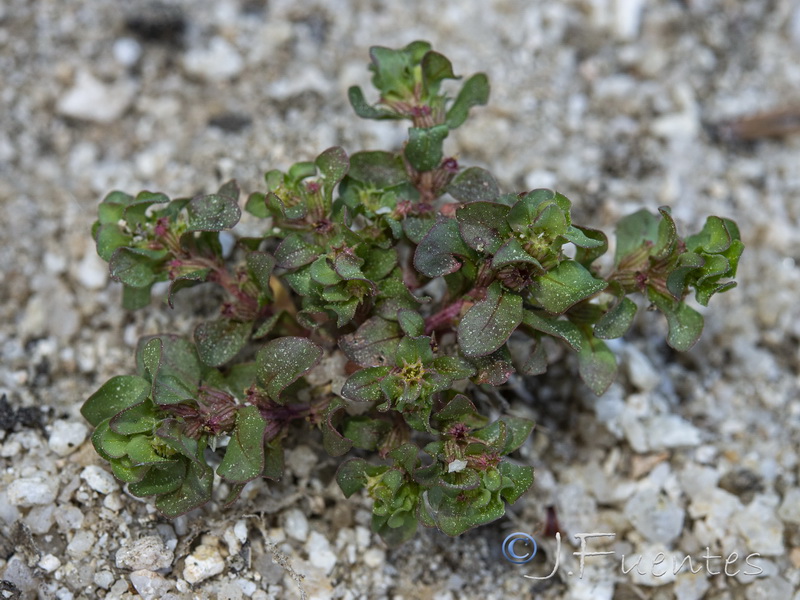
510 549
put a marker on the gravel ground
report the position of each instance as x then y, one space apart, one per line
615 102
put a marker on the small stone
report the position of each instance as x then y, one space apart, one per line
113 502
204 562
89 99
302 460
229 591
40 518
760 527
639 369
20 574
99 479
691 586
92 272
148 552
66 436
33 491
296 524
81 544
374 558
219 62
68 517
655 516
104 579
150 585
670 431
319 552
769 588
790 507
49 563
127 51
628 18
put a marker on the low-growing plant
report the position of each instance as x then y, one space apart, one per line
384 288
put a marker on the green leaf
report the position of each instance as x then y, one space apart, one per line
172 364
685 324
365 110
453 367
256 205
110 237
596 364
474 92
136 267
474 185
334 442
564 286
411 322
212 213
537 361
517 431
633 231
333 165
260 266
365 384
112 208
586 255
373 344
557 328
294 252
352 475
283 361
115 395
140 451
490 322
483 225
493 369
109 444
511 253
134 298
521 479
382 170
424 148
160 479
436 253
244 456
435 69
185 281
220 340
194 491
139 418
616 322
366 433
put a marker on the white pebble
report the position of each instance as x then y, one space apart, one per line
49 563
81 544
147 552
319 552
127 51
219 62
104 579
296 524
302 460
790 507
99 480
655 516
150 585
204 562
374 558
33 491
760 527
66 436
89 99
